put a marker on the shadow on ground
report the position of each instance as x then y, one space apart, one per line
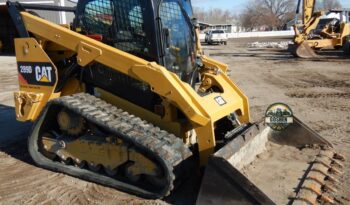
272 54
13 134
10 129
13 142
186 193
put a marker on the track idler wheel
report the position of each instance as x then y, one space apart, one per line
71 123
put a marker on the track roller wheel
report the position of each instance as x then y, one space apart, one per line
110 172
80 164
67 161
94 167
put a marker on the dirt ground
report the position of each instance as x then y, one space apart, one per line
318 91
277 171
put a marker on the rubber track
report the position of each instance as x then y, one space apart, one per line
168 149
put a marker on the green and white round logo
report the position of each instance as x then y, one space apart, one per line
278 116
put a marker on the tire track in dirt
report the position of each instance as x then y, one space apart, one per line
305 94
320 86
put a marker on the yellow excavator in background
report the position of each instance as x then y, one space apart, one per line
315 33
124 97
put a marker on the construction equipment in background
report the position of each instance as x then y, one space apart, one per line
140 108
318 32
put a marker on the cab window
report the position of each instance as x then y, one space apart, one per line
98 17
121 22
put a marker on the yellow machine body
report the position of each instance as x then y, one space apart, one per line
202 112
189 119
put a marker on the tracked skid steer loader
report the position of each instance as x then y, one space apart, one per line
124 97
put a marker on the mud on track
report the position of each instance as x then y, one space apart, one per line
317 91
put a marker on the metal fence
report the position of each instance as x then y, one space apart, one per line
288 33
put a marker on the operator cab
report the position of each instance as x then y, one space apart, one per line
155 30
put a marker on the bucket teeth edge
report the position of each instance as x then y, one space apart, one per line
320 183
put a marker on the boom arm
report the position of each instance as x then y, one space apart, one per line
310 20
308 10
201 111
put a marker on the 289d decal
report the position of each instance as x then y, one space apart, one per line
36 74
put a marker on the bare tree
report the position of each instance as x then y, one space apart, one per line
214 15
200 13
331 4
251 17
268 14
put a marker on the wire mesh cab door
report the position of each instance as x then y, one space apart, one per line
128 25
178 37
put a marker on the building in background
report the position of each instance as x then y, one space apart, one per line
53 16
204 27
228 28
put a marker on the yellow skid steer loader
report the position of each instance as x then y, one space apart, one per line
125 98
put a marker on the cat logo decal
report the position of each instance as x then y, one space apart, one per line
43 74
37 73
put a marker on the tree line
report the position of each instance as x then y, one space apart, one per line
260 14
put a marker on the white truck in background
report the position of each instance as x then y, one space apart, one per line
216 36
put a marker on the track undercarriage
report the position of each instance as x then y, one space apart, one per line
85 137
